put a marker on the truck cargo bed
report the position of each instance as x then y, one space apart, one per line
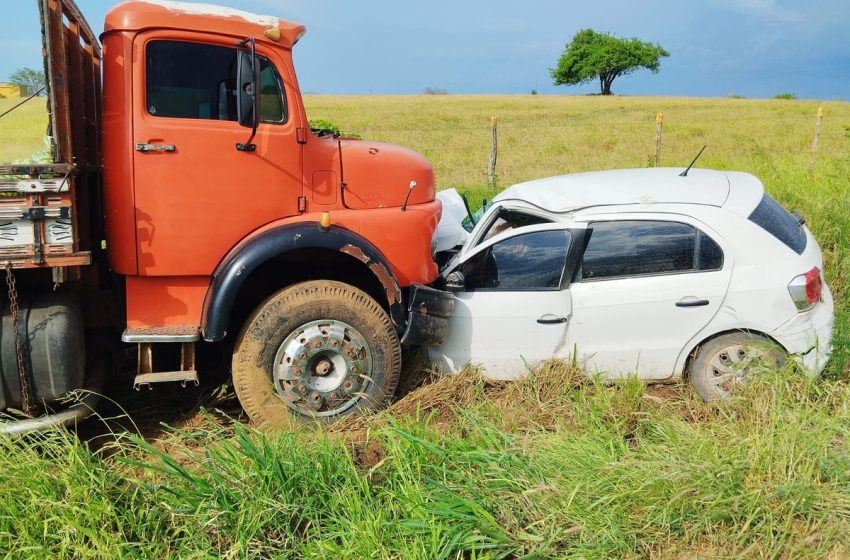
50 212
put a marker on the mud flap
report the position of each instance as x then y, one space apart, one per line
428 315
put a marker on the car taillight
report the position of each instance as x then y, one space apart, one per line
806 289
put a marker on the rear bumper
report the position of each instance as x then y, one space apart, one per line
814 361
428 316
808 336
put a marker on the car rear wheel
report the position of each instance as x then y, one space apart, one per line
724 363
315 351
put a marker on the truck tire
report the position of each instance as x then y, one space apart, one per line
724 363
315 351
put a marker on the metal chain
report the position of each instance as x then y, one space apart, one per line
29 408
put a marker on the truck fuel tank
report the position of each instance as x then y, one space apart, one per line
52 324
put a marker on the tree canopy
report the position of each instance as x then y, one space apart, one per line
592 55
30 80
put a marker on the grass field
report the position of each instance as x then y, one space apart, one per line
22 131
556 466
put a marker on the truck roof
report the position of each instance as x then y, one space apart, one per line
145 14
738 192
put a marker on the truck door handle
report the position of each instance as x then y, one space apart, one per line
156 148
551 320
691 303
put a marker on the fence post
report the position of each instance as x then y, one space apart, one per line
491 164
659 124
816 140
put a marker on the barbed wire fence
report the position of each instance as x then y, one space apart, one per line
650 142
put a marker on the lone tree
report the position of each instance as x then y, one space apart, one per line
590 55
28 79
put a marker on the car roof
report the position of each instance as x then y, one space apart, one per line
739 192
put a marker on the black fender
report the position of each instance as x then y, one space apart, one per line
251 253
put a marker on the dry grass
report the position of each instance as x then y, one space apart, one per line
22 131
551 135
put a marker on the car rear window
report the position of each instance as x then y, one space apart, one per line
774 219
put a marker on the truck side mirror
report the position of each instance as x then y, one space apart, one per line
247 92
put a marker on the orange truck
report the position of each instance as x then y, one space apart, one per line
187 201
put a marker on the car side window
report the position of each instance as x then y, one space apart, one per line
511 219
198 81
529 261
709 253
621 249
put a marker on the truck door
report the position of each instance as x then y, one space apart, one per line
196 195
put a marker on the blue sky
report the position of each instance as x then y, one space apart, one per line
753 48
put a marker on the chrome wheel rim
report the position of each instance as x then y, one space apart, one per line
729 366
322 368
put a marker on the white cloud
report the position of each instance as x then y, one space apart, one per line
768 10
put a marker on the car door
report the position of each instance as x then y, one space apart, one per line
513 308
645 287
196 195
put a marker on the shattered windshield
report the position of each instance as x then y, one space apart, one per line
468 224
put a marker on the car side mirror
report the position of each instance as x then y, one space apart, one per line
455 281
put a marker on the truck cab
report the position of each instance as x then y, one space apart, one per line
225 217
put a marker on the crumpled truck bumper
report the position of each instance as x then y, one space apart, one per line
428 316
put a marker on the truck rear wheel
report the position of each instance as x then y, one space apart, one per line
316 351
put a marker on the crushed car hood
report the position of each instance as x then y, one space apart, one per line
450 233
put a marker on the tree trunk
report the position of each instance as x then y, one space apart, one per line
605 81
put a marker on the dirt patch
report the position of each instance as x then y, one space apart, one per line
542 400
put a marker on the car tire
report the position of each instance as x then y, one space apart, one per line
723 363
315 351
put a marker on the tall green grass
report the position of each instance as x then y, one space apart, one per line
586 471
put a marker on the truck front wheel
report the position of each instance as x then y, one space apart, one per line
316 351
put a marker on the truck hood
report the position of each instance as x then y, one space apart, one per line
378 175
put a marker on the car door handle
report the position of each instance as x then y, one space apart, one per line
551 320
156 148
692 303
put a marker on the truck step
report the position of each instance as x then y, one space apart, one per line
187 333
146 376
147 379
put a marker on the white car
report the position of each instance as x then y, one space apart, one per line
637 272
